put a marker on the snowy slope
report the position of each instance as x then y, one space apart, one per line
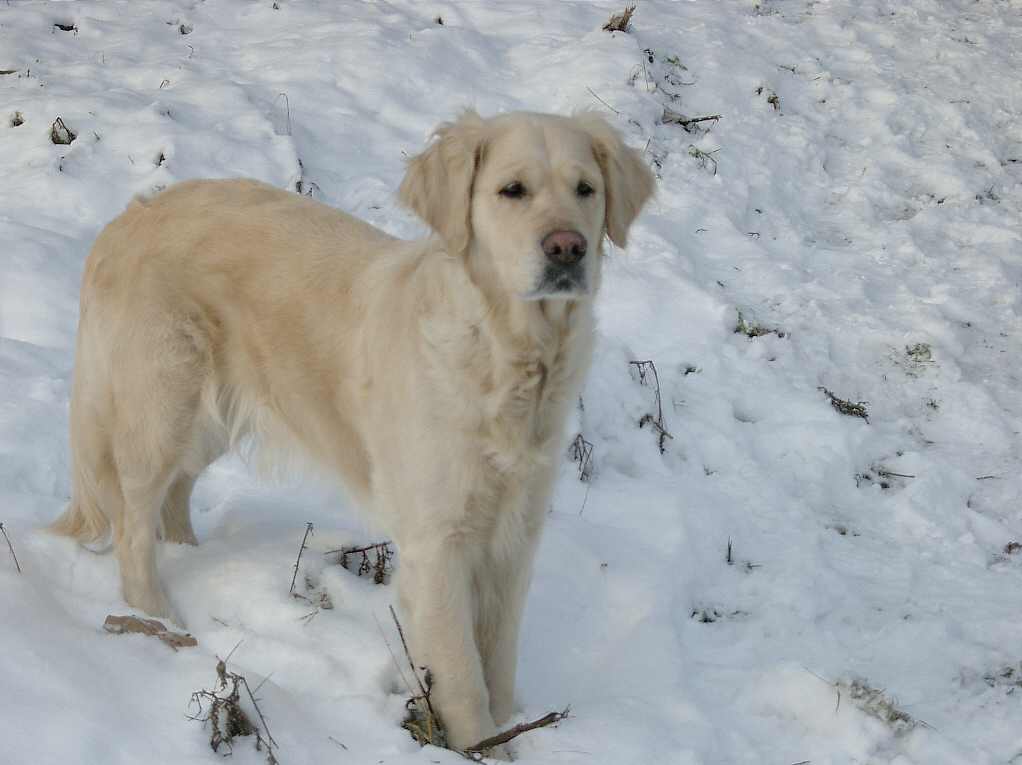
861 194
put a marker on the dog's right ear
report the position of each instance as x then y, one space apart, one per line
627 177
438 182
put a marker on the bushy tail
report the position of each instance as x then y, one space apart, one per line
83 519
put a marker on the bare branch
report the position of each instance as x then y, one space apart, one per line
593 93
644 367
10 547
672 117
502 738
298 560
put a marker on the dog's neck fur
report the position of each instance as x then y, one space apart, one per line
538 323
534 349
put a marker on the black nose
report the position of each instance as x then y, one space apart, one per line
564 247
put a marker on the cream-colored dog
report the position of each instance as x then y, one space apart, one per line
433 377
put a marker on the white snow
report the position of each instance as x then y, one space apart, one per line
876 208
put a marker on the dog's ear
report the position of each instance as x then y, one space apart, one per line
438 182
626 177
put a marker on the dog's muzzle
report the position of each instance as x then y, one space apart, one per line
564 271
564 281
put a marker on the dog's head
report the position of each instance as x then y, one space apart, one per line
528 197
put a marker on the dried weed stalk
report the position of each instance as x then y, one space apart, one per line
222 709
856 409
10 547
619 21
645 368
581 451
376 559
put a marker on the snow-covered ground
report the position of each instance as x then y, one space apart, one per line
861 194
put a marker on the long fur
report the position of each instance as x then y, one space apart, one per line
417 372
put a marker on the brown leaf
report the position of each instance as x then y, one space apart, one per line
125 625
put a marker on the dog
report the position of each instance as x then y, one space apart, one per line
432 377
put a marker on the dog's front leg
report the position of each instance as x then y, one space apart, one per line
438 594
504 585
501 616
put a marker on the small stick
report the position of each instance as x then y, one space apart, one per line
236 647
259 712
390 650
618 22
672 117
408 655
308 530
10 547
352 550
602 101
658 421
888 473
502 738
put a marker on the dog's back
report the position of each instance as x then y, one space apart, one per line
201 322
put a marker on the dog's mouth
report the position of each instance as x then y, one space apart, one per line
564 282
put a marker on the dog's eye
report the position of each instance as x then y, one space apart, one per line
514 190
584 189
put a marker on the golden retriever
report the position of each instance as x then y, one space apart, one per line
433 377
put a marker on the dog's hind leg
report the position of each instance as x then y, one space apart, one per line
158 404
176 520
135 542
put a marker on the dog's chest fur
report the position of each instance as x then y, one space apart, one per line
509 378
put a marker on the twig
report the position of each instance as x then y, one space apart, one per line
887 474
255 705
582 453
729 560
502 738
648 419
703 156
671 117
10 547
619 21
236 647
422 722
601 100
352 550
397 664
585 499
384 554
262 683
978 478
298 560
857 409
226 716
408 655
342 746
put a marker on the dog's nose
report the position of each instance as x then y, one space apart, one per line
564 247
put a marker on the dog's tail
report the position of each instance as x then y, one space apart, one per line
83 519
83 522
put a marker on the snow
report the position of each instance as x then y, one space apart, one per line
878 207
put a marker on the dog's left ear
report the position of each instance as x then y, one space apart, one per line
438 182
626 177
